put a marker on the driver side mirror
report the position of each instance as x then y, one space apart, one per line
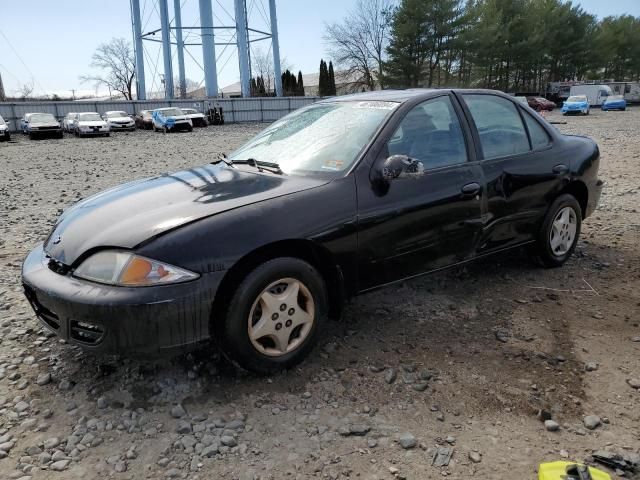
401 165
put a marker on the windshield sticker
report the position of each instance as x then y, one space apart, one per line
335 165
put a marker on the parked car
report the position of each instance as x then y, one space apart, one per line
614 102
170 119
575 104
197 119
119 120
540 103
336 199
90 123
143 120
5 135
68 122
41 125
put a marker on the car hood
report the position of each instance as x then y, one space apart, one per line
120 119
44 124
131 214
176 117
576 104
92 123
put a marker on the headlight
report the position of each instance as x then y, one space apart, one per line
129 270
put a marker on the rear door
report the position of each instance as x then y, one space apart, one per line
522 176
426 221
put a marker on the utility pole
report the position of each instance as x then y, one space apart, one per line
73 94
3 98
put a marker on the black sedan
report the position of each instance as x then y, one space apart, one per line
349 194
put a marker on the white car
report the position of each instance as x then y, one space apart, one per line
119 120
5 136
170 119
198 119
68 122
90 123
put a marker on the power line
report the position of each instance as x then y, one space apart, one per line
33 77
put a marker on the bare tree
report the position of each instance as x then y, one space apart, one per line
358 43
262 65
26 90
117 63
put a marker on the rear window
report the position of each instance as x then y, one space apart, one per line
539 136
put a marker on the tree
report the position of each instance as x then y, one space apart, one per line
300 84
116 61
262 66
26 90
358 43
323 79
331 80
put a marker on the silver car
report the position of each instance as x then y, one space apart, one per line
40 125
90 123
119 120
68 122
5 136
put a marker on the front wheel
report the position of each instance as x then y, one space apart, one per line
559 233
274 316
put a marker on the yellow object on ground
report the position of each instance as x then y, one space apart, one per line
570 471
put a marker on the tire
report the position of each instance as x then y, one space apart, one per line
60 135
165 130
31 136
263 355
190 129
545 251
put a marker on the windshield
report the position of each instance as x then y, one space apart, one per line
614 98
42 117
171 112
189 111
577 98
325 137
89 117
1 120
117 114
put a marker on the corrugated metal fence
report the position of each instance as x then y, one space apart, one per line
236 110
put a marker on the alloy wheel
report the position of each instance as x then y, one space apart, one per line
563 231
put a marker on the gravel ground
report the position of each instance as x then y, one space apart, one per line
454 367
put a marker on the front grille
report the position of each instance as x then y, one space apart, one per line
84 332
46 315
48 128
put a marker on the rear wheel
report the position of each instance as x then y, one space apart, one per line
559 233
274 316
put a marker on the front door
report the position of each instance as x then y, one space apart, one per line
423 221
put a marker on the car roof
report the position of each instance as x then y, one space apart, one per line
402 96
116 111
82 113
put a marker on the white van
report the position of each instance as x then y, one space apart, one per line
596 94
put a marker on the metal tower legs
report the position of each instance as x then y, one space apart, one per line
275 45
166 49
208 49
243 47
141 91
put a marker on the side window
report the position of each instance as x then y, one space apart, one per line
431 133
539 136
499 125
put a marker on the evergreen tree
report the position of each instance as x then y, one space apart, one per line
332 80
300 84
254 87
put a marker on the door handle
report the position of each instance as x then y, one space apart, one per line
470 189
560 169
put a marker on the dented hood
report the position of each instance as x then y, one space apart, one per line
130 214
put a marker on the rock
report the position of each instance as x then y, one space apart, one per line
177 411
372 443
393 470
102 403
407 441
228 441
441 457
591 366
120 466
634 383
65 385
502 335
59 465
34 450
70 405
163 462
209 451
21 407
173 473
543 415
390 376
29 360
6 446
58 455
592 422
235 425
359 430
420 386
475 457
43 379
52 442
183 427
551 425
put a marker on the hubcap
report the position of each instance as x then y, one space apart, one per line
563 231
281 317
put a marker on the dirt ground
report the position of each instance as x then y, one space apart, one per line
461 360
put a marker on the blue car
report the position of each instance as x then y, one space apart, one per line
614 102
575 104
170 119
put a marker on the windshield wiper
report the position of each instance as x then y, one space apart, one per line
260 165
222 158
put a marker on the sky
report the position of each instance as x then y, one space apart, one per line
49 43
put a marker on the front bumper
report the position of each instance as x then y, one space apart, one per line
117 126
180 126
100 131
108 319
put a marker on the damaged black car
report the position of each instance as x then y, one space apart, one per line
256 250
